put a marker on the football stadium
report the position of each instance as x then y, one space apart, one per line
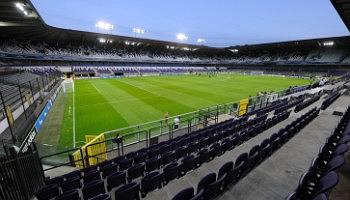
174 100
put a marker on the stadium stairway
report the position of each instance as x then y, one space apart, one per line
279 175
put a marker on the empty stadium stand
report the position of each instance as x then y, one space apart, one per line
164 166
22 95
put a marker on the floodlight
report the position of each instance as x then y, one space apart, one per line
181 37
200 40
20 7
234 50
102 40
328 43
138 30
104 25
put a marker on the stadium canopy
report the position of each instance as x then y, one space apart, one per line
23 22
343 8
16 24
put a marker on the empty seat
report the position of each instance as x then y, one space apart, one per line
48 192
73 183
225 168
185 194
91 176
129 191
136 171
116 179
188 163
241 164
152 164
109 169
140 158
171 172
151 182
205 181
167 157
254 156
203 156
105 163
69 195
57 180
101 197
73 174
326 183
125 164
89 169
93 189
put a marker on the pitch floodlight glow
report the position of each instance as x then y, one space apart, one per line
104 25
234 50
104 40
21 8
181 37
200 40
328 43
138 30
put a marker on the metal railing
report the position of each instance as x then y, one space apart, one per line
19 99
21 174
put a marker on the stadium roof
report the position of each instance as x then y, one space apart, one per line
26 23
343 8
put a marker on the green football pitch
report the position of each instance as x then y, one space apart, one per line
107 104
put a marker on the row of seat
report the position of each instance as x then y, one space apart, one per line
297 101
329 100
308 102
230 173
321 177
217 144
273 106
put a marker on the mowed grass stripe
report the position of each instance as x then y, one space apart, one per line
175 95
241 86
194 91
161 103
96 118
136 111
215 87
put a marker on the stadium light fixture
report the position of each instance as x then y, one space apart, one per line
104 40
328 43
201 40
104 25
234 50
138 30
181 37
20 7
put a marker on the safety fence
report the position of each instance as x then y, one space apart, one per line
19 99
21 174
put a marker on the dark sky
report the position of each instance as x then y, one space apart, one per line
219 22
